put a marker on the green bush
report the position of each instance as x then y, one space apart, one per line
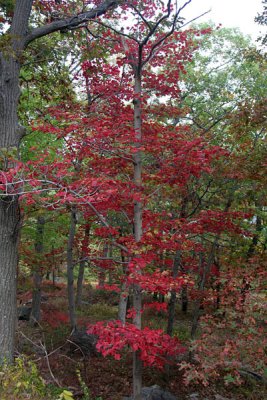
21 381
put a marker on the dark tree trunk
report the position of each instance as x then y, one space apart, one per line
184 299
255 238
70 266
9 222
172 302
82 265
37 273
102 272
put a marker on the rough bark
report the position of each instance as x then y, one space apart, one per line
37 274
9 220
10 135
70 267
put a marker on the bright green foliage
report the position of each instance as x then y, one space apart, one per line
66 395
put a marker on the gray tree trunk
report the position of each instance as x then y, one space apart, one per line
124 295
37 274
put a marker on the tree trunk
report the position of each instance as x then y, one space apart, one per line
10 135
70 266
137 295
102 271
124 295
255 239
184 299
37 274
172 302
9 222
82 265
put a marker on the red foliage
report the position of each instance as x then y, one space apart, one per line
154 346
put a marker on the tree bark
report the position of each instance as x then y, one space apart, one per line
10 135
82 266
70 266
9 230
37 274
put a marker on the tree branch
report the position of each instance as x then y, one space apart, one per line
71 22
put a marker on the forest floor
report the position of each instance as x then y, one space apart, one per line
60 362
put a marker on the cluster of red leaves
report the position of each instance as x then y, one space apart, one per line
160 282
109 288
155 347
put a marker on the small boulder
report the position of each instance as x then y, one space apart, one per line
24 313
85 342
154 393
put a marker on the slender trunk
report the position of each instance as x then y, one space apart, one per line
255 239
172 302
123 303
70 266
82 265
102 272
137 295
124 295
184 299
110 271
37 274
197 304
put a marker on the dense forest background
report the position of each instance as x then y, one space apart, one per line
132 203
